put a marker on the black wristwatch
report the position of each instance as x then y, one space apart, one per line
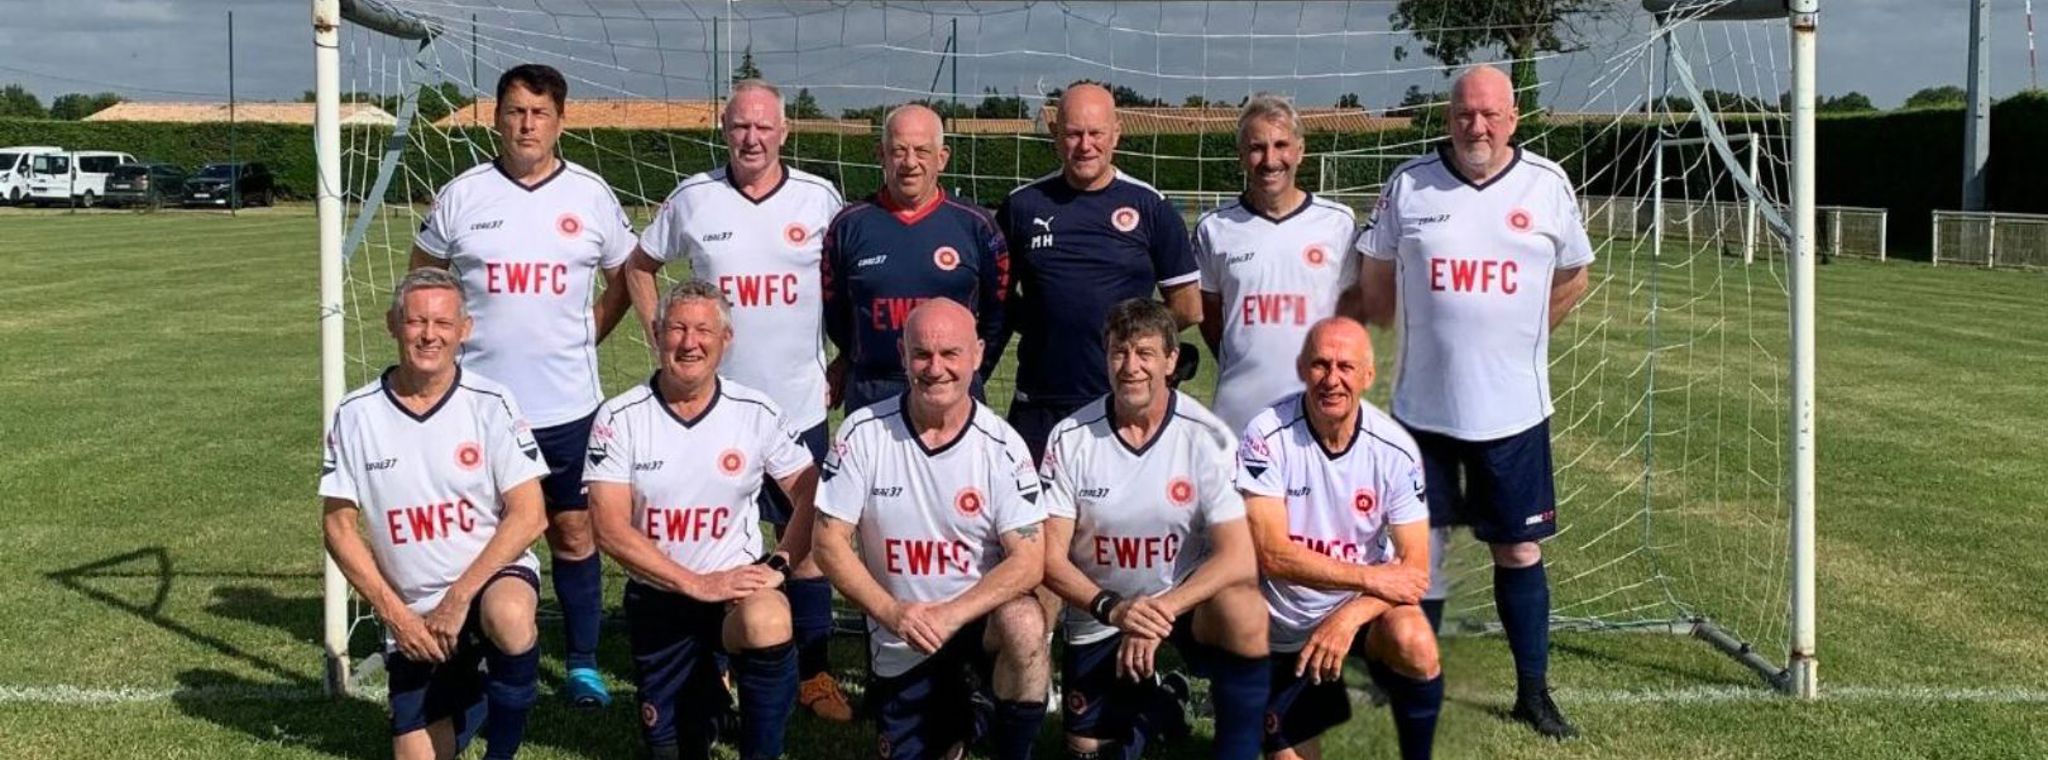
776 562
1103 604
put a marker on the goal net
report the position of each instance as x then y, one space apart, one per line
1670 379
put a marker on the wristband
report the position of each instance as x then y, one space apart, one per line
1103 603
775 562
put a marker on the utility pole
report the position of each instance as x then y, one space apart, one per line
1977 120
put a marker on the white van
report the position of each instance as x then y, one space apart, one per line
14 166
78 177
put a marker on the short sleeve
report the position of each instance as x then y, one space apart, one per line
1173 259
1206 261
513 454
337 469
1574 249
1220 500
607 458
782 450
1258 469
1403 487
659 239
843 486
617 236
1056 478
436 234
1381 238
1015 489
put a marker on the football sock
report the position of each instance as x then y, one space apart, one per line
1522 596
767 684
1415 704
579 588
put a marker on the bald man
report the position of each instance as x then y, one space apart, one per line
944 501
907 244
1333 492
1085 239
1478 251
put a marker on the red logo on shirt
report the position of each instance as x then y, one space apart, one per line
1315 255
968 501
730 461
1180 492
649 713
469 455
1519 220
1124 219
795 234
569 225
1364 500
1077 702
946 258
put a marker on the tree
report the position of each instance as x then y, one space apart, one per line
1348 100
995 105
1129 98
73 106
1945 96
870 114
806 106
18 102
747 69
1850 102
1452 31
1195 101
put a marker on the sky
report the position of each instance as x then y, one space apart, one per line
862 53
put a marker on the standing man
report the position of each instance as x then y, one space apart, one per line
528 234
907 244
1146 541
1273 263
1477 252
756 227
944 502
1085 239
1333 489
444 468
676 467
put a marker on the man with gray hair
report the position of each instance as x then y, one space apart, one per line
675 469
907 244
1477 251
443 467
1273 262
755 228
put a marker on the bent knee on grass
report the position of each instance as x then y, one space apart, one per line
1403 640
757 622
508 616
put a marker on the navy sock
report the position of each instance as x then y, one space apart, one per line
1415 704
1522 596
767 682
810 614
1016 728
1239 687
579 588
1434 610
510 688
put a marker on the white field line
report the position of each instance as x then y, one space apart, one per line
86 695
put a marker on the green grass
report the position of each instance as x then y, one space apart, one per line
159 418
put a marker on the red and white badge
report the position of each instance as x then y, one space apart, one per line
1124 219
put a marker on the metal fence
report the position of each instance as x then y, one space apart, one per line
1991 239
1852 231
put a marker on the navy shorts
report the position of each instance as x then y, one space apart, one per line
1298 709
1099 705
774 504
944 700
1034 420
1502 488
564 447
676 644
425 693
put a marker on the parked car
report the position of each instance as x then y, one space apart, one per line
234 185
149 184
77 178
15 164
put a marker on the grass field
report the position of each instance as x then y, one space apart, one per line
159 592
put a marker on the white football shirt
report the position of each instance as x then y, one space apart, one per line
528 259
1339 503
765 255
429 486
1141 515
930 520
1473 265
694 480
1275 277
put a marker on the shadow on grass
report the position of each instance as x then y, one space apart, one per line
155 563
353 728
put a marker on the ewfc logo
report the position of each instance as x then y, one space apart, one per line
1519 220
795 234
1315 255
968 501
569 225
1180 491
469 455
1124 219
730 461
946 258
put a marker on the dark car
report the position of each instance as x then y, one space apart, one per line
225 184
146 184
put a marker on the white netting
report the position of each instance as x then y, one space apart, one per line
1669 379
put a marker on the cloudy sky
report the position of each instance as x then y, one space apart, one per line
864 52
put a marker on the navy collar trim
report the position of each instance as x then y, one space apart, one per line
384 381
560 166
733 181
717 391
1109 410
1451 165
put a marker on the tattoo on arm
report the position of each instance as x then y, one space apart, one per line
1027 532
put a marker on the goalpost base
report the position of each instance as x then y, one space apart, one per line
1705 629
